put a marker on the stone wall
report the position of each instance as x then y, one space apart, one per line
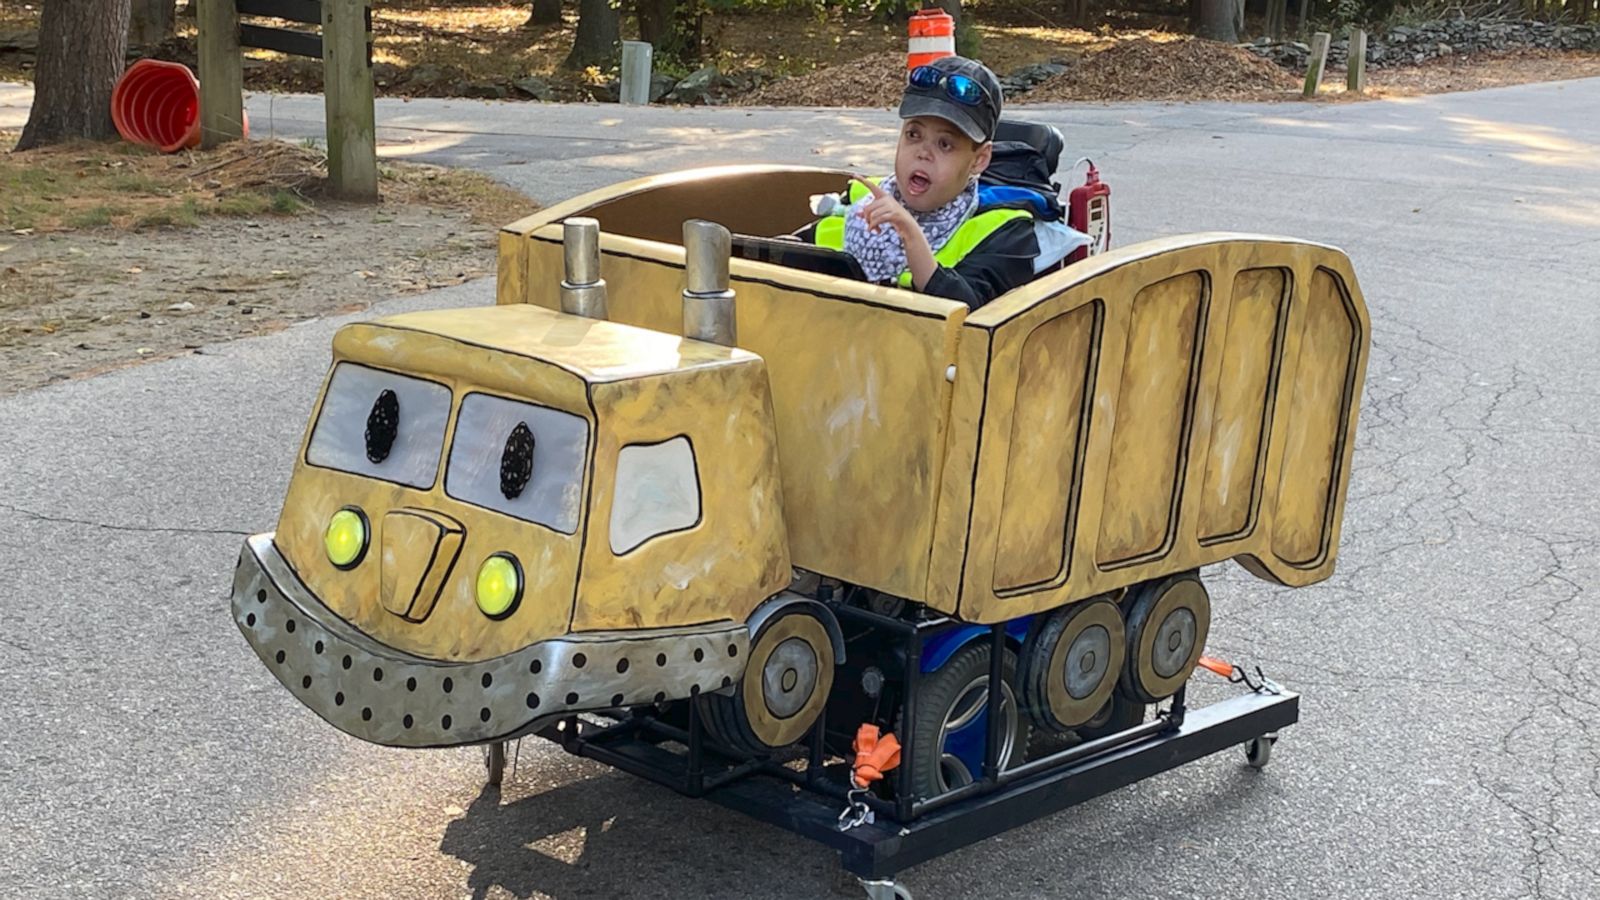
1420 43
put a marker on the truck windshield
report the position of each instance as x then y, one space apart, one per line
382 425
519 459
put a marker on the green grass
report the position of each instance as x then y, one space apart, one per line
95 217
178 215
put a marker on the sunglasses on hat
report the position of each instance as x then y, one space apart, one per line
960 88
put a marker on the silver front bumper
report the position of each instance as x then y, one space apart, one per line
387 696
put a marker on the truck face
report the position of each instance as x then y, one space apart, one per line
422 584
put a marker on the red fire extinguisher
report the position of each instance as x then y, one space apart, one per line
1089 211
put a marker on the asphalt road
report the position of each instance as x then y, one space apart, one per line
1449 745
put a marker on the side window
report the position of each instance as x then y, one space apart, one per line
382 425
519 459
658 492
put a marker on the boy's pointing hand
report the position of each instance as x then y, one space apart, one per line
885 210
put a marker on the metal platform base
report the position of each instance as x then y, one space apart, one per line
807 800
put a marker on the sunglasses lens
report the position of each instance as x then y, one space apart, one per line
965 90
926 76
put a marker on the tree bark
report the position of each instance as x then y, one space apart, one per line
599 33
1217 20
673 28
151 21
1077 11
82 44
545 12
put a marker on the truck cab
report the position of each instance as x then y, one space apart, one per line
505 514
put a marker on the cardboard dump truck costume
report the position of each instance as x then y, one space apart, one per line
842 504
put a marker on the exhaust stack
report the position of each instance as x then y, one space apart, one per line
707 299
583 291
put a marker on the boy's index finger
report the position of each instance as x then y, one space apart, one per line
869 185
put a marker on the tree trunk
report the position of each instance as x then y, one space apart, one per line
1217 20
151 21
1077 11
599 33
81 50
545 12
673 28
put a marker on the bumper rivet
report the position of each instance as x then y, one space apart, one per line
533 701
411 684
280 657
407 720
487 679
534 667
579 660
338 699
483 714
377 674
346 662
572 699
445 723
449 684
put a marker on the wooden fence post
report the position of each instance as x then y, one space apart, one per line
1316 63
1356 63
221 73
347 83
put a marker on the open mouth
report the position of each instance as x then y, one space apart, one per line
918 183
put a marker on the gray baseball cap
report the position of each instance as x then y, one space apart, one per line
977 120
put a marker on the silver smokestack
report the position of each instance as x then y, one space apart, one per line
708 313
583 291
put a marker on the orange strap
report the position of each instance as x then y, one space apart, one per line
875 755
1224 669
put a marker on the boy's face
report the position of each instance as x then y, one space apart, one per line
934 161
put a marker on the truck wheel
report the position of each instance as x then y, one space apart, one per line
952 720
1070 664
1119 714
1167 627
784 688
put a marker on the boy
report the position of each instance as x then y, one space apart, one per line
924 227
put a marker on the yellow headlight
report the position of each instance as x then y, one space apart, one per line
346 537
499 585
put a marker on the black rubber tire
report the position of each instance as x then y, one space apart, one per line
1119 715
726 718
938 691
1153 603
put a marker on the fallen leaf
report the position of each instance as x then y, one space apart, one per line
134 270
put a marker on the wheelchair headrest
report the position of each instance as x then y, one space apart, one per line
1046 139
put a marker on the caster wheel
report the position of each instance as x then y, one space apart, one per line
885 890
953 719
1258 752
784 687
494 760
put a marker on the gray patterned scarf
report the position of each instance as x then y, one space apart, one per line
881 253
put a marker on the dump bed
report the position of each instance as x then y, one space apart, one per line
1164 406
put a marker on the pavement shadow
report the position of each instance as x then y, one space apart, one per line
617 836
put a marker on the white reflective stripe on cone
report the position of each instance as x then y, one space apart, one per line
932 45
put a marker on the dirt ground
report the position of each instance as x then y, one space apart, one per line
84 289
483 47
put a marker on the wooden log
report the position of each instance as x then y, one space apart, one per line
221 73
347 81
1317 62
1356 64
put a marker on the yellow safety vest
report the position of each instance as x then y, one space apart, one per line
971 233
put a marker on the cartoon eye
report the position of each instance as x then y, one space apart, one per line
516 461
383 422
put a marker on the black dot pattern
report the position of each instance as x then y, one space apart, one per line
383 423
516 461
